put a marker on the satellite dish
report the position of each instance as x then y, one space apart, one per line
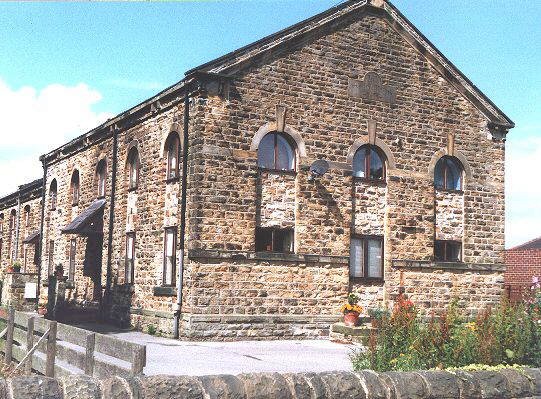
319 168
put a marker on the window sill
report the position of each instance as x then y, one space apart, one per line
445 190
367 280
165 290
278 171
175 179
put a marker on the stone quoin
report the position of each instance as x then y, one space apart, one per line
203 193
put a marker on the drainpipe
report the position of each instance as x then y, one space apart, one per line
182 232
41 236
111 217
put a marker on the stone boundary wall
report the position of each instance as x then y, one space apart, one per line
363 385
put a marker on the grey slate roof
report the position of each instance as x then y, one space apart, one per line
32 237
532 244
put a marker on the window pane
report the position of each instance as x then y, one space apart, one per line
356 258
439 250
285 155
453 252
453 175
169 250
439 174
129 248
283 240
375 258
359 161
376 165
265 152
263 239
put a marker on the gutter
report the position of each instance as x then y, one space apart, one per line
182 232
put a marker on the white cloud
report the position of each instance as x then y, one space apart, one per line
523 187
34 122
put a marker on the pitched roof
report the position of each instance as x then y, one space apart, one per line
532 244
399 22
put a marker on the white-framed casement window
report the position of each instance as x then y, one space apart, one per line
129 273
73 252
366 257
169 256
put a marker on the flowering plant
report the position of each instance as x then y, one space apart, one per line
351 305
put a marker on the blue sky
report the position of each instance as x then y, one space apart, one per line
65 67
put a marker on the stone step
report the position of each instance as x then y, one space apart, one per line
360 334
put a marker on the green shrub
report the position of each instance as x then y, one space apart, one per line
151 329
506 335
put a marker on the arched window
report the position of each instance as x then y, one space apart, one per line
53 191
173 155
369 163
448 174
276 152
12 233
133 169
1 223
101 173
75 188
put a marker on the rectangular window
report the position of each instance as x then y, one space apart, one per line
73 252
273 239
169 255
129 273
448 251
51 258
366 257
25 257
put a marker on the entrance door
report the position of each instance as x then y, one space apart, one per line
93 263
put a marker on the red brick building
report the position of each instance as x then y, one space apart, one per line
523 263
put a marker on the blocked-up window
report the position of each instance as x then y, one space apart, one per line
366 257
273 239
448 251
129 272
169 256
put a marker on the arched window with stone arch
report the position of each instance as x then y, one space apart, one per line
369 163
133 165
448 174
277 151
53 193
101 177
172 147
27 216
75 188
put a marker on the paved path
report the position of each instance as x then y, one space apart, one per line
169 356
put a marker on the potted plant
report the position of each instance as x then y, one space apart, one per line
351 310
16 267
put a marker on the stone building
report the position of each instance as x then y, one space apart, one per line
523 263
20 228
342 153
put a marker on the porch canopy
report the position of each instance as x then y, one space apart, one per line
32 238
89 222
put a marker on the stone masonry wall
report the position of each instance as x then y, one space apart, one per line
370 207
277 204
504 384
310 79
